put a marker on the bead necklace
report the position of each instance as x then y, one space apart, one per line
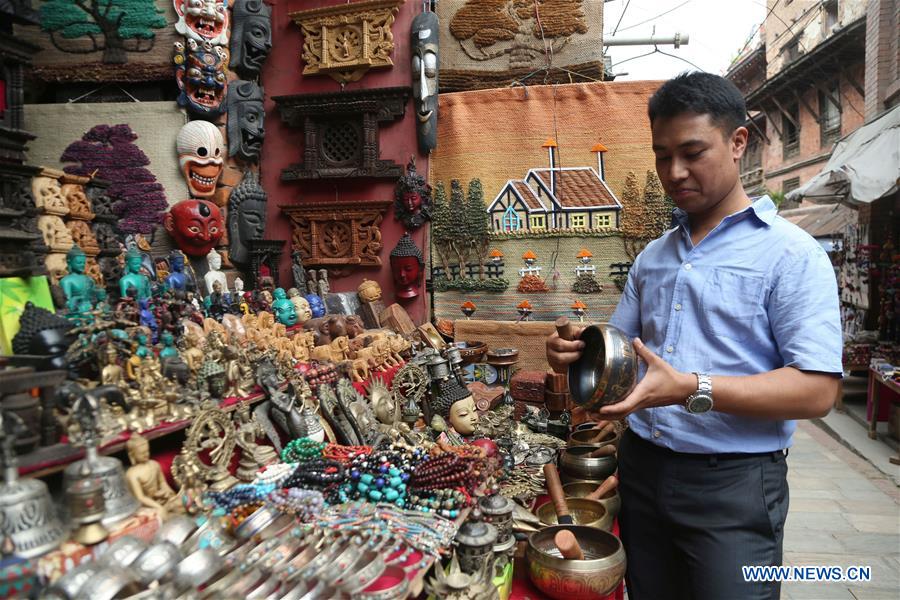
275 473
345 453
303 504
302 449
445 502
317 472
240 494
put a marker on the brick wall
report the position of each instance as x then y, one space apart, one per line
882 80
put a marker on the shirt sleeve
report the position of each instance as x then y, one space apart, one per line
804 314
627 315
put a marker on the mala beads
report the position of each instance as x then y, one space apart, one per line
302 449
317 472
274 474
239 495
446 470
345 453
304 504
445 502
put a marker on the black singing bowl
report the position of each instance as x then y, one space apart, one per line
606 372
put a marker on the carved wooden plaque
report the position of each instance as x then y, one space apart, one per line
346 40
338 233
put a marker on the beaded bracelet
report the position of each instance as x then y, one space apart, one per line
302 449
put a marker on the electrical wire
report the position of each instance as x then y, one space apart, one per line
662 14
624 10
755 31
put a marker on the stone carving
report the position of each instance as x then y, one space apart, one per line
344 41
246 217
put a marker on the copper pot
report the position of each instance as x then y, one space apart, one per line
607 370
590 579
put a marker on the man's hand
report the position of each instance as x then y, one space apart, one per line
561 353
661 386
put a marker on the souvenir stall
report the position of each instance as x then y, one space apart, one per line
257 339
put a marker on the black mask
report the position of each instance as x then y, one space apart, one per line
251 37
425 78
246 120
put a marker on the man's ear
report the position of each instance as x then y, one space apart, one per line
739 142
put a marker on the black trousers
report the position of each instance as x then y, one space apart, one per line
690 522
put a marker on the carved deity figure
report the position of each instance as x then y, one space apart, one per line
84 237
200 75
424 45
48 196
133 279
145 477
79 288
79 203
214 260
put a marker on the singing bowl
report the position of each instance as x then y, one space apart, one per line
589 513
581 489
576 463
590 579
606 371
472 352
586 437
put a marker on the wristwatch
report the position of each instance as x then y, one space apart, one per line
700 401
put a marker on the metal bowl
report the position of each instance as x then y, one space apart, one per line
606 371
589 513
575 462
581 489
590 579
585 437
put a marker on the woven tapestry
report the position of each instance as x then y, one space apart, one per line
154 123
102 40
491 43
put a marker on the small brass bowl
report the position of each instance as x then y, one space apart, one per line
581 489
590 579
606 371
575 462
589 513
585 437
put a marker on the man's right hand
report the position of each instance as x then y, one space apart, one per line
561 353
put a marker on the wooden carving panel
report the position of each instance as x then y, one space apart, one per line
337 234
346 40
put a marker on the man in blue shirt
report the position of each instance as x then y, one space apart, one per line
735 313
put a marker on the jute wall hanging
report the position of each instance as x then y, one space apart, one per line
491 43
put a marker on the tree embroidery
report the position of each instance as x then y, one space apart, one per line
108 24
523 29
109 152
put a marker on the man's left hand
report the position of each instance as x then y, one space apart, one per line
661 386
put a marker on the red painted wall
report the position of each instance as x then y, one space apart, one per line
284 146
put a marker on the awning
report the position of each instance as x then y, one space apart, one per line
864 166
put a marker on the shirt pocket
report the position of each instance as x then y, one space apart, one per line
729 304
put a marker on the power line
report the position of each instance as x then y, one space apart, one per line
656 17
761 23
624 10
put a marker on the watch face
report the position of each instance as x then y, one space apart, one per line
699 403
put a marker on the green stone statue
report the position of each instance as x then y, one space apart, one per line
168 342
133 278
80 291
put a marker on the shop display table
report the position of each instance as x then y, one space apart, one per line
881 394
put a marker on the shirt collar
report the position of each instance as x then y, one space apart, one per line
763 208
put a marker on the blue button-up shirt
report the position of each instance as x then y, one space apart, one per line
757 294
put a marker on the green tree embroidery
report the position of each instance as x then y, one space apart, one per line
106 23
441 228
458 226
479 222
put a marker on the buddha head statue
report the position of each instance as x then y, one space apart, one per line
76 260
246 120
251 36
457 406
406 267
201 156
43 333
195 225
246 217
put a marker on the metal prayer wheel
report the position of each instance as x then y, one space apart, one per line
456 360
474 544
438 368
28 519
498 511
86 509
117 498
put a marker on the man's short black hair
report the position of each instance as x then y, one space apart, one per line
702 94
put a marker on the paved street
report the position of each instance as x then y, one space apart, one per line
844 512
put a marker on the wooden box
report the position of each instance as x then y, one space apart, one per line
528 386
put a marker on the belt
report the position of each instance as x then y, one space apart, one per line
712 459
